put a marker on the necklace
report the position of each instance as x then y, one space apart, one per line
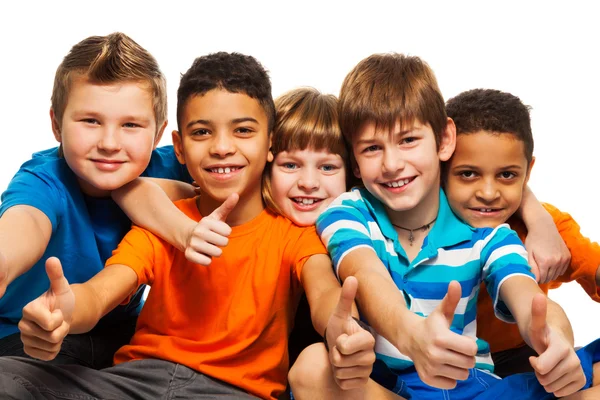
411 237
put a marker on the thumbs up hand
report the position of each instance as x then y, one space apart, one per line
211 233
351 351
442 357
557 367
46 320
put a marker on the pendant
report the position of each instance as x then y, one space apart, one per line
411 238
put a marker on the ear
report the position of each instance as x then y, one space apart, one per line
270 156
529 170
355 168
55 126
159 134
447 141
178 146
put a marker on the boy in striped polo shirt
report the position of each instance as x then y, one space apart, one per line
418 265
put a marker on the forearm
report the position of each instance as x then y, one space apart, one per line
87 310
531 210
148 206
326 303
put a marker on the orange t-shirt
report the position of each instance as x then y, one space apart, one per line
585 259
230 320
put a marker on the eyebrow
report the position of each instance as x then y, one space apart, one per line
234 121
515 166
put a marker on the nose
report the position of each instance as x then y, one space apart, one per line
392 161
222 145
487 191
308 180
110 141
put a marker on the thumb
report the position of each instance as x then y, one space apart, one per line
221 212
343 309
534 267
58 283
537 325
448 305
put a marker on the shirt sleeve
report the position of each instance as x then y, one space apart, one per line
503 256
585 254
138 250
305 247
343 228
33 188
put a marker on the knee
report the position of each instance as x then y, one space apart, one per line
311 371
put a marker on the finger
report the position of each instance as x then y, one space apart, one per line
455 359
40 354
40 344
197 258
358 359
58 283
452 372
206 248
224 209
38 313
571 388
562 380
537 327
212 236
349 384
439 382
352 372
449 303
535 269
207 225
359 341
30 329
551 365
343 309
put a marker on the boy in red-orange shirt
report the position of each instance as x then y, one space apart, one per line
485 180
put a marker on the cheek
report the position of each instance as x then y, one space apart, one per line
280 185
335 185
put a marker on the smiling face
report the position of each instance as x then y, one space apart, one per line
107 133
225 145
401 168
305 182
486 178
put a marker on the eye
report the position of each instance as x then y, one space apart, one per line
408 140
244 131
200 132
371 149
329 168
508 175
467 174
290 165
131 125
91 121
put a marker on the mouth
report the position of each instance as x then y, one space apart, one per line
306 203
398 183
486 210
223 170
107 165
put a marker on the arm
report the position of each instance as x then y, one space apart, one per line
148 203
24 235
549 257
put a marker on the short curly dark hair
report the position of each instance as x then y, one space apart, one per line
492 111
234 72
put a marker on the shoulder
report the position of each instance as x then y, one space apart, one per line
164 164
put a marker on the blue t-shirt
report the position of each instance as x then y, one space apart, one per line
85 230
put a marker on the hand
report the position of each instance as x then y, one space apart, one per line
3 275
557 367
210 234
47 320
442 357
351 351
549 256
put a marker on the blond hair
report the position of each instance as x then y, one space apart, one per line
105 60
390 88
305 119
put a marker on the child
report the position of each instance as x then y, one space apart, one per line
399 238
219 329
485 180
108 112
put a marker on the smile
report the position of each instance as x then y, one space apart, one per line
399 182
306 200
225 170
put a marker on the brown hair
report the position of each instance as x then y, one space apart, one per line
305 119
387 88
110 59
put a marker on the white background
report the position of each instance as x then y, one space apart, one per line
546 53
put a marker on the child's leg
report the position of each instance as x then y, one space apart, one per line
311 377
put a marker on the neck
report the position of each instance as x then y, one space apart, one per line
420 215
247 208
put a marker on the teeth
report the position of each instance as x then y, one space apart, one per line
398 183
225 170
485 209
305 201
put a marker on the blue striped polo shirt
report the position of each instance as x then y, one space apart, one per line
451 251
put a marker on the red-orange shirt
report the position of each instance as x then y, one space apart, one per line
230 320
585 259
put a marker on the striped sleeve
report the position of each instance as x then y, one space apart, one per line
343 227
503 255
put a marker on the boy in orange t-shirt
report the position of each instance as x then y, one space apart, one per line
217 328
485 180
